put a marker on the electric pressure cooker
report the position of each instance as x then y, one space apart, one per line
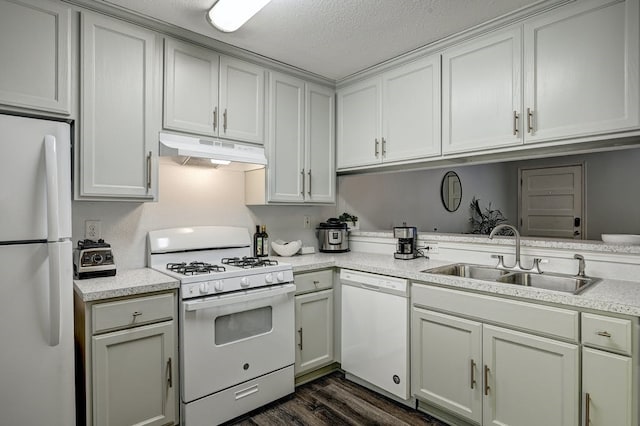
333 236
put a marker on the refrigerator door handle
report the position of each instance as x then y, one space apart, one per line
54 293
51 171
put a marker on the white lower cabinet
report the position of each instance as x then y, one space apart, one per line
128 358
488 374
314 321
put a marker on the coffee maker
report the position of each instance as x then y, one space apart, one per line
407 236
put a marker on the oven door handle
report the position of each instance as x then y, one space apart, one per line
234 298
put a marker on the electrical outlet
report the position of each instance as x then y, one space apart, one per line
432 248
307 222
92 229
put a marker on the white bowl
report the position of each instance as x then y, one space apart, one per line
621 239
286 249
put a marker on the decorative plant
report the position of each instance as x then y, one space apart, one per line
346 217
483 222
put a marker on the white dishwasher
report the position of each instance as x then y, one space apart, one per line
375 330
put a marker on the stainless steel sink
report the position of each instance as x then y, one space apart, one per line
465 270
550 281
557 282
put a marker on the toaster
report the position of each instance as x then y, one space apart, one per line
93 259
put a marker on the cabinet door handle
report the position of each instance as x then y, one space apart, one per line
376 150
486 380
384 147
215 118
603 333
529 120
473 375
149 170
309 174
170 372
302 183
224 121
300 333
316 283
516 118
587 414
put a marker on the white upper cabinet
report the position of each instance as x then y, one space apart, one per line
241 100
212 95
191 88
392 117
301 143
35 49
286 138
481 99
359 124
411 110
319 144
120 109
581 65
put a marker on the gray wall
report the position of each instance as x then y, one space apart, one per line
382 201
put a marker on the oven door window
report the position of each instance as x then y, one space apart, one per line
243 325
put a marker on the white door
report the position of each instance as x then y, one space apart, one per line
552 202
241 100
314 329
36 379
119 128
581 65
320 144
481 93
359 124
35 45
528 380
287 172
411 110
190 88
446 362
607 388
134 376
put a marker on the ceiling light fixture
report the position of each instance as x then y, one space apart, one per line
220 162
229 15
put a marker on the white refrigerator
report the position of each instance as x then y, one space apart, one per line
36 274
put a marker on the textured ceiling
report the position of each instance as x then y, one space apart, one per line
333 38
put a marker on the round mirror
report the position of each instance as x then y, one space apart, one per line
451 191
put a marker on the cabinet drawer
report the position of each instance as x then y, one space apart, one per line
132 312
607 333
312 281
555 322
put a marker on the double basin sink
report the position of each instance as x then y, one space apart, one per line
550 281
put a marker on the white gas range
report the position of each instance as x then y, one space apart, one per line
236 321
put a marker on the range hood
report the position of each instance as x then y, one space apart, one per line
215 153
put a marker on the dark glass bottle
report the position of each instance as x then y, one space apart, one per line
265 242
257 242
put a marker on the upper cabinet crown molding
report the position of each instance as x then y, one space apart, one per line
35 46
212 95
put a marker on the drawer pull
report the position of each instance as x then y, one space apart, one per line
136 314
246 392
315 283
603 333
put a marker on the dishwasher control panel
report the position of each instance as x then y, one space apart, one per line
375 282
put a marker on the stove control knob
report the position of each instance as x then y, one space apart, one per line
218 285
204 288
280 276
268 278
244 282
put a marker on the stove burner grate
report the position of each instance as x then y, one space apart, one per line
194 268
248 262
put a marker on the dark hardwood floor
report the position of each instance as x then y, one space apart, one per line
334 400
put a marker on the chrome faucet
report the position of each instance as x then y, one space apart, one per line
518 266
580 259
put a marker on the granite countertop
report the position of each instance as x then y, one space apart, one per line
125 283
539 242
614 296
